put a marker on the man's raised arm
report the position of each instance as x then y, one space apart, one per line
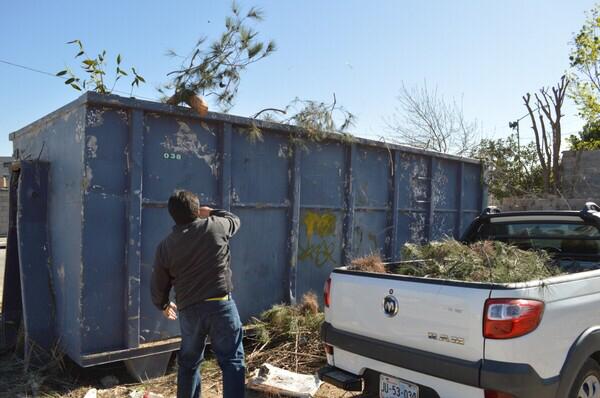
229 221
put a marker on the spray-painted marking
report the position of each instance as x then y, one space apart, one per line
322 252
319 253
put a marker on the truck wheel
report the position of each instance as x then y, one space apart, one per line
587 382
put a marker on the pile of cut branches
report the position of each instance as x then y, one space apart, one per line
288 337
485 261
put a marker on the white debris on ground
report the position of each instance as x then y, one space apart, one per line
274 380
144 394
92 393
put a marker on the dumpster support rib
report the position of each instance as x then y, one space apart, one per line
134 234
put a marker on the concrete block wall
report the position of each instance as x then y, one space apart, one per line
549 202
581 174
580 183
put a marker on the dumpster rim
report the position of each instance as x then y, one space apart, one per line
115 101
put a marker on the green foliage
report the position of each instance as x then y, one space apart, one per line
486 261
511 169
282 323
589 137
585 60
214 69
96 69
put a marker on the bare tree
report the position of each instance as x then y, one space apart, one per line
424 119
545 122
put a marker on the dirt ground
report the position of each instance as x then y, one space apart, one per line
74 382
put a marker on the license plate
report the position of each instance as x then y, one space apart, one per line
391 387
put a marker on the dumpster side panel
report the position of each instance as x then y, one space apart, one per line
58 139
446 190
260 178
104 229
322 201
178 153
156 225
413 193
473 195
371 174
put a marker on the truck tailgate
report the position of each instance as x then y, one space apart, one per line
436 316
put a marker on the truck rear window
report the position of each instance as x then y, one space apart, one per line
565 238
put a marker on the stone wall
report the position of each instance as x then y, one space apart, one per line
550 202
581 174
580 183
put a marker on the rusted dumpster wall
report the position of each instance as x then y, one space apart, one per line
306 207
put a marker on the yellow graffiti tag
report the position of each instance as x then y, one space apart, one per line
321 224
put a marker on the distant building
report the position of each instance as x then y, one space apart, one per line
4 185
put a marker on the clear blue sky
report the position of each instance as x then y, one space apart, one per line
488 53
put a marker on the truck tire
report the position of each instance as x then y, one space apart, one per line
587 382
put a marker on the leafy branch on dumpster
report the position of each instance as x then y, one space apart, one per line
96 69
214 70
317 119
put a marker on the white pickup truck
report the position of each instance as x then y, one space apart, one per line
399 336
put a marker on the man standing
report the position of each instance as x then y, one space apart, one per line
195 259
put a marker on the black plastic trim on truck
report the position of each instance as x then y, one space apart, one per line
521 380
458 370
433 281
517 379
586 345
340 378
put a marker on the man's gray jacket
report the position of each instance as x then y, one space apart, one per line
195 259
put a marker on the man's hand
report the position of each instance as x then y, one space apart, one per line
204 212
170 312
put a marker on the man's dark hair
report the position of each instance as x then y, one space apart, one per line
183 207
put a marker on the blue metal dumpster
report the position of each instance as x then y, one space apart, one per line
103 166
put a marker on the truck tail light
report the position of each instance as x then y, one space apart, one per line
510 318
326 293
328 349
497 394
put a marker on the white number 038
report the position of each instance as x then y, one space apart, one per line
172 156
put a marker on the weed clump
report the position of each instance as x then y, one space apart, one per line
370 263
485 261
288 336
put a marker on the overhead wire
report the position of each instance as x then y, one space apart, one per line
28 68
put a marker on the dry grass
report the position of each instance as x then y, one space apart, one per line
309 304
288 337
37 374
486 261
370 263
285 336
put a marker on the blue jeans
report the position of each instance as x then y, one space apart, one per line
221 322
